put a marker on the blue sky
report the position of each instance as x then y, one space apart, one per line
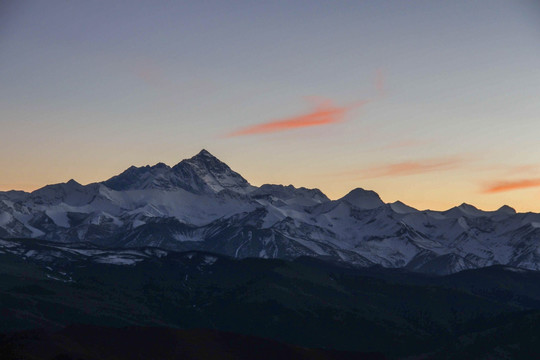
89 88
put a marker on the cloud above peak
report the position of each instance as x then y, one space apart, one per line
325 113
502 186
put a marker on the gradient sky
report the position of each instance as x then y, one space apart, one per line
433 103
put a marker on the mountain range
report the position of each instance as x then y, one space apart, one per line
202 204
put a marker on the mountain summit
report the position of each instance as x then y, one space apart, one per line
202 204
203 173
363 199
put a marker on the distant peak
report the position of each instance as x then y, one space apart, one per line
465 206
359 192
365 199
402 208
204 153
160 165
204 156
464 210
72 182
505 209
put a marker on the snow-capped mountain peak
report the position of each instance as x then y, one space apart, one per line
202 204
72 182
138 178
204 173
205 156
505 209
401 208
363 199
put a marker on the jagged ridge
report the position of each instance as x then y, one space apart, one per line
202 204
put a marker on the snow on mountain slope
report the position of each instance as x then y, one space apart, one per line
146 177
202 204
402 208
363 199
203 173
289 195
70 193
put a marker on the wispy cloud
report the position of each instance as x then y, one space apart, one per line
501 186
323 114
413 167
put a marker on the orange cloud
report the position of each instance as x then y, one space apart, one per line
413 167
512 185
324 114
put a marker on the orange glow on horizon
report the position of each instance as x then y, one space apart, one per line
20 187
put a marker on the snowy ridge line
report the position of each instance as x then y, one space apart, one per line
202 204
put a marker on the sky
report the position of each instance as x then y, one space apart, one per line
433 103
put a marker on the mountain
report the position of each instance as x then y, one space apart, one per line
202 204
202 174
